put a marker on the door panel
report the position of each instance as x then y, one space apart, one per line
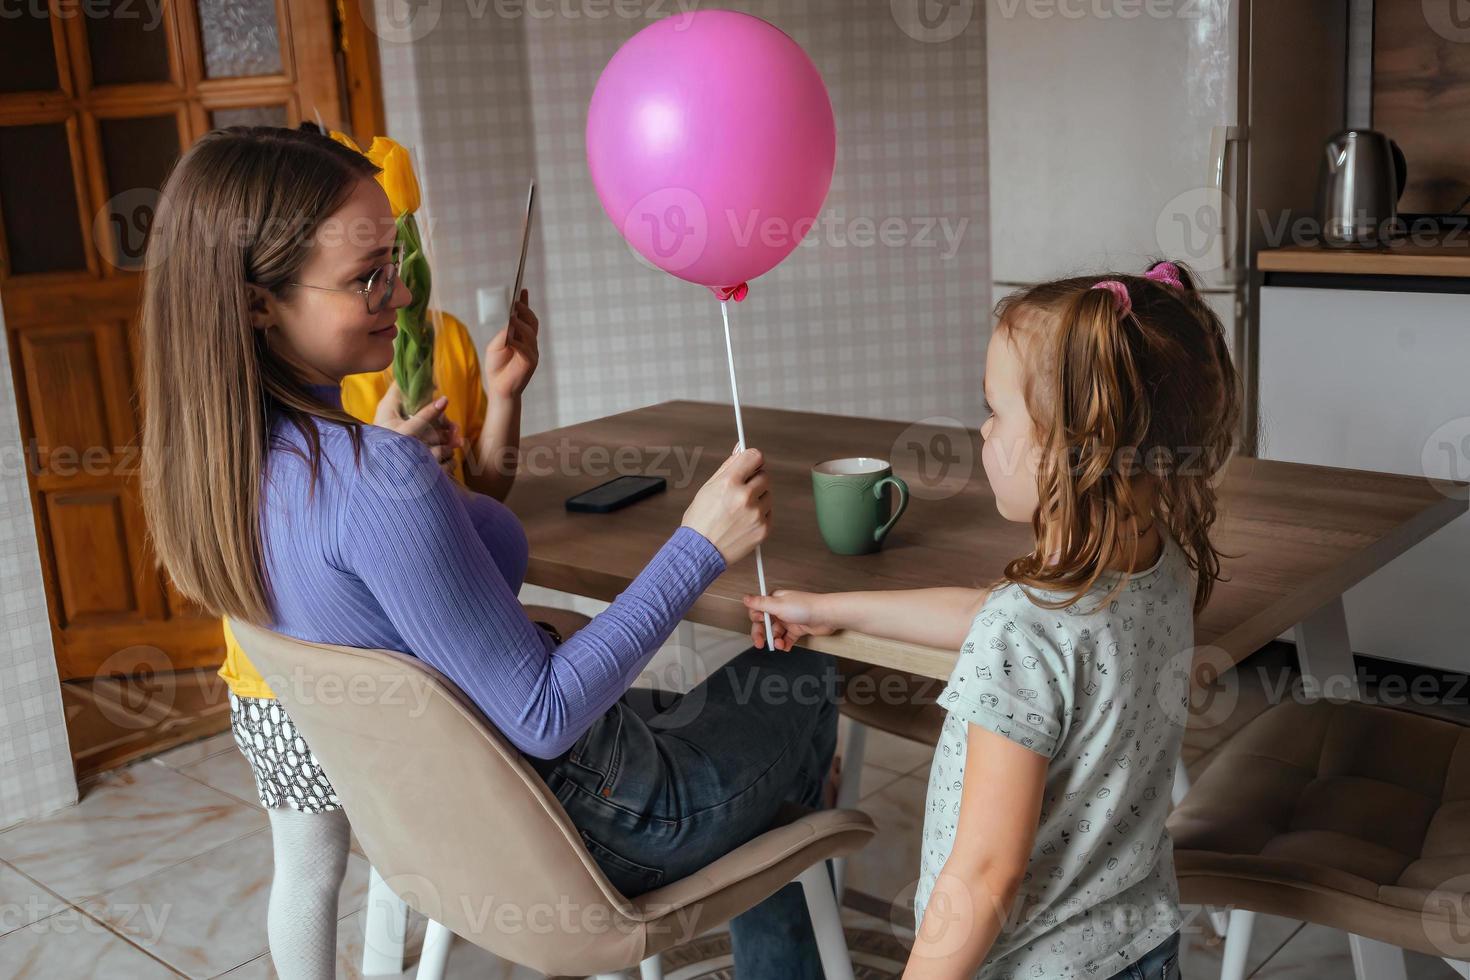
94 111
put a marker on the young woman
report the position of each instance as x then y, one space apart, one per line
270 281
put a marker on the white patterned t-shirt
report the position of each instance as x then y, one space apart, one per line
1102 693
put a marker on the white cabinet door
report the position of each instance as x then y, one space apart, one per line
1367 380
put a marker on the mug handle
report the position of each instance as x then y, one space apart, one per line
903 504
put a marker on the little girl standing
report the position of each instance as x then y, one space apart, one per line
1113 407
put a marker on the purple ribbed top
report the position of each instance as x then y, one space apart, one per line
393 554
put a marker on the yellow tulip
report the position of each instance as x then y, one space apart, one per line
345 140
396 175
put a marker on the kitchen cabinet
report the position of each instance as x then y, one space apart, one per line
1380 380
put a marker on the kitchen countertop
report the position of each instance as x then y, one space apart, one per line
1449 259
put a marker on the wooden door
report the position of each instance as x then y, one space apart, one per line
97 100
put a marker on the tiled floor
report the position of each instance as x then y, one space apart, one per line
163 870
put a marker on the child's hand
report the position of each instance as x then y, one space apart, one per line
793 615
430 426
511 358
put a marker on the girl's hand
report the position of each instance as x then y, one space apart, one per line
428 426
793 615
733 509
511 358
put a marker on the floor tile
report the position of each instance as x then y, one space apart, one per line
207 915
72 946
897 754
22 901
197 751
227 772
1201 948
466 960
1316 952
888 868
129 824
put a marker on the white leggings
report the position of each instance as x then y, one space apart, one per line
310 862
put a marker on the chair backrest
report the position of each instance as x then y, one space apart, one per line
448 812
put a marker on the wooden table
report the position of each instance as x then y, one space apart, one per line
1303 534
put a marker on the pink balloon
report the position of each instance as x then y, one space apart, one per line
711 143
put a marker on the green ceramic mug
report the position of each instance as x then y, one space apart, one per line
854 503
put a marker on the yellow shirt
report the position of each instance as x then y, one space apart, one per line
457 376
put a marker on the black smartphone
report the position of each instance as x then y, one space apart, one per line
616 494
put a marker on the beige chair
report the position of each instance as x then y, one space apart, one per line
459 824
1349 815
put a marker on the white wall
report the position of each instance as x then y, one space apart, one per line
496 93
36 774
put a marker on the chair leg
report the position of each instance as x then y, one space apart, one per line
850 791
821 903
385 929
1373 960
1237 944
651 968
1221 922
435 957
1181 782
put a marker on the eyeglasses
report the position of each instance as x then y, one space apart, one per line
377 292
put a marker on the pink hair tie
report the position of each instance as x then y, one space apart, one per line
1166 273
1121 301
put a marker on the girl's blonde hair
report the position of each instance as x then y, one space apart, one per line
242 206
1122 381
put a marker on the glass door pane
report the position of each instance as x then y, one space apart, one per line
136 156
127 42
240 38
26 52
39 200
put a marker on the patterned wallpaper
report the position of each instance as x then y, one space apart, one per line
36 774
883 312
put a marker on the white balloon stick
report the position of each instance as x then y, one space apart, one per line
760 562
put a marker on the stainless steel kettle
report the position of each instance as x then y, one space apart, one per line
1363 174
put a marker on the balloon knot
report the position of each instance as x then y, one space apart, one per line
736 292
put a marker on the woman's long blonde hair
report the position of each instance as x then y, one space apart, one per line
1118 390
241 206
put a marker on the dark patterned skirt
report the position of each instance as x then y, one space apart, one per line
286 772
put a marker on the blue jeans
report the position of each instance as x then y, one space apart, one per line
663 784
1159 963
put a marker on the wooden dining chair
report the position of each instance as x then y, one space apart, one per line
458 823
